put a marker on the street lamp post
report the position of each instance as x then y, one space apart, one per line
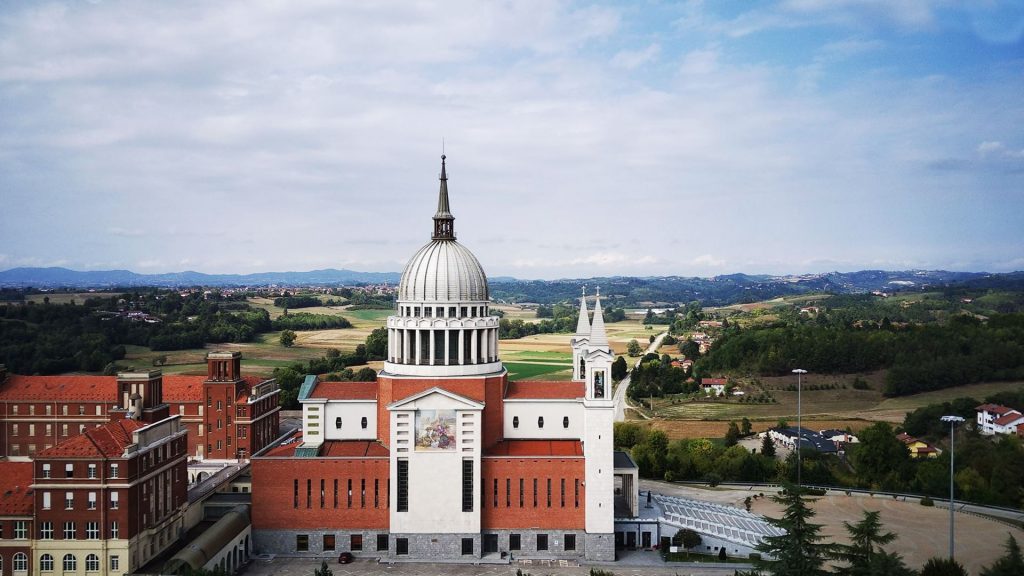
799 428
953 421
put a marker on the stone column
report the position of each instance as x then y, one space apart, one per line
473 345
462 346
419 346
447 346
433 345
405 345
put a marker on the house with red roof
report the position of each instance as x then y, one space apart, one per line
918 448
16 522
998 419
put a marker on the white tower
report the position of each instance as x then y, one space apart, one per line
579 341
599 414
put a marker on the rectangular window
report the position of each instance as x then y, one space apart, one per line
355 542
349 493
514 542
302 542
46 530
69 470
362 493
534 492
92 471
521 496
401 545
46 470
335 492
382 542
46 500
576 489
467 485
328 542
508 492
295 496
21 529
92 500
570 542
115 531
549 492
69 500
562 493
322 492
403 492
467 546
92 530
114 500
376 493
309 493
69 530
495 492
114 471
115 563
542 542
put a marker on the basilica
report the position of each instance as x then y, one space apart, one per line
443 457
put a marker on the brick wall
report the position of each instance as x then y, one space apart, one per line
509 514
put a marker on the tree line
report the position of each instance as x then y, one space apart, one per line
918 357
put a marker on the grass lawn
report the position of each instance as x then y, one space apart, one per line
528 371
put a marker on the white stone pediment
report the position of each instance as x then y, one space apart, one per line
435 399
597 353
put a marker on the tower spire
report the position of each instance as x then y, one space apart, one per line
444 222
583 323
598 336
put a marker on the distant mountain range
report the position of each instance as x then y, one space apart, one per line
64 278
623 290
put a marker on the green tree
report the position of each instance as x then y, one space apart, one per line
942 567
745 426
768 446
633 348
377 344
323 570
686 538
619 368
287 338
800 551
1012 564
866 538
365 374
732 435
880 457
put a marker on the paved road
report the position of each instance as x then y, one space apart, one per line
620 393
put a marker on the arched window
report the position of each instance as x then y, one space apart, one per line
540 422
337 422
92 563
515 421
70 563
364 423
565 422
46 563
20 562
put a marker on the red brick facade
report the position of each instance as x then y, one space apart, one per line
523 493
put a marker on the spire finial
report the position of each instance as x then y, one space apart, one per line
584 290
444 222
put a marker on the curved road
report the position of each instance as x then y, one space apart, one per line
619 398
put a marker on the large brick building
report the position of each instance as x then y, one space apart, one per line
442 456
227 415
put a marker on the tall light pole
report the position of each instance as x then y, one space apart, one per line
953 421
799 428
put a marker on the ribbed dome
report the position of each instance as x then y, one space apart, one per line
443 271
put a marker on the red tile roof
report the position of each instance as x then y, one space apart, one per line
345 391
710 381
59 388
285 449
15 494
108 440
550 448
994 409
353 448
183 388
1008 418
544 390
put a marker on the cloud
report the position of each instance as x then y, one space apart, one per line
630 59
707 260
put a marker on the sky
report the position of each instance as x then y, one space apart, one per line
583 139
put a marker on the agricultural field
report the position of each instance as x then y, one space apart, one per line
537 365
68 297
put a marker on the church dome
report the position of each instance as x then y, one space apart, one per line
443 271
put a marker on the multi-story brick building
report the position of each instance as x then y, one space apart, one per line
16 521
38 412
442 456
110 499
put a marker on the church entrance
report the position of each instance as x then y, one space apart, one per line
490 543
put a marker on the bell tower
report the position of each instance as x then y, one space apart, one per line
598 445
